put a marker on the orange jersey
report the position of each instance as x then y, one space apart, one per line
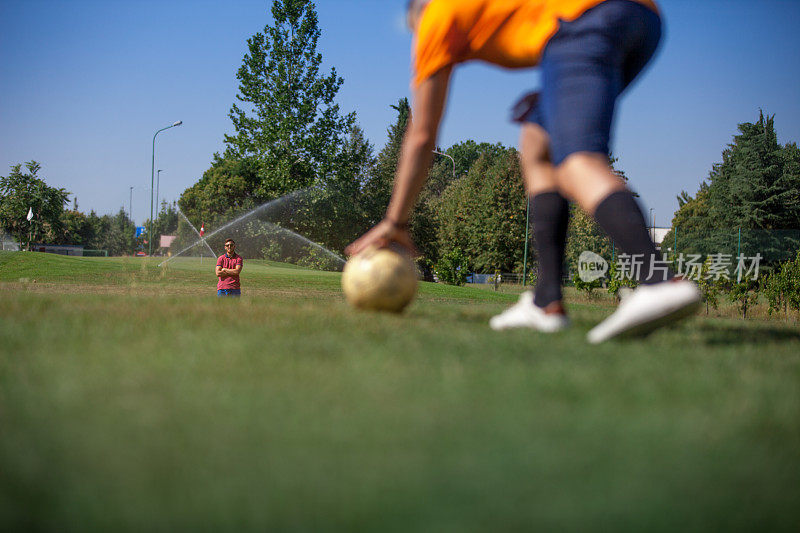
509 33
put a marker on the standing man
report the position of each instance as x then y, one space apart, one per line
229 265
589 51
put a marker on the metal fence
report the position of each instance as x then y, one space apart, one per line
682 244
772 245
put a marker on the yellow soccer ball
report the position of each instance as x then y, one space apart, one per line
380 279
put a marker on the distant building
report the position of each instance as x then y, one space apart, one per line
658 234
166 241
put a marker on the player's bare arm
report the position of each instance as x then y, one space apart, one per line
412 169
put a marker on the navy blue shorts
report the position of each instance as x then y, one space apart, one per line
586 65
229 292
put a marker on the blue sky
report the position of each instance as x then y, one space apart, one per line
84 85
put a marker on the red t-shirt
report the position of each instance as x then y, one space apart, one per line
225 261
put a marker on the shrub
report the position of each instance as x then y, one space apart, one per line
709 288
615 283
743 294
586 286
452 267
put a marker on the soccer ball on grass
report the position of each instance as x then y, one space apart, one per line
380 279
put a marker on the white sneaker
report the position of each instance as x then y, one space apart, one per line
525 314
647 308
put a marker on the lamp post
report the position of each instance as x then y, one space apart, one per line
158 180
152 179
451 159
130 204
527 225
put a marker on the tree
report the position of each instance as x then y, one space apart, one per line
21 192
333 212
117 234
378 186
755 188
452 267
228 187
744 294
483 213
286 119
709 287
690 231
166 223
782 286
78 228
442 174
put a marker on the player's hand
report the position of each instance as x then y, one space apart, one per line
383 235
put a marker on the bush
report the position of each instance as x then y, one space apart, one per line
782 287
452 267
615 282
586 286
318 259
743 294
709 288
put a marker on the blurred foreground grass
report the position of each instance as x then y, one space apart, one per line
131 398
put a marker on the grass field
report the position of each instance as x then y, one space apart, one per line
132 399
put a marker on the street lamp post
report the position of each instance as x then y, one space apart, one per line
130 204
158 180
527 225
152 180
451 159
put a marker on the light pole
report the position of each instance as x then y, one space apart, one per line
152 179
130 205
451 159
158 180
525 258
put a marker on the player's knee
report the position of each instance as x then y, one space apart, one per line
535 144
581 163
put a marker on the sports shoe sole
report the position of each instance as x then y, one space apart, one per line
642 330
645 328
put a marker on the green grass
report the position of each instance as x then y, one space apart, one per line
131 398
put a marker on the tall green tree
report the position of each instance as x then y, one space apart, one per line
756 187
77 228
117 234
166 223
22 191
749 187
378 185
226 188
691 229
333 212
483 214
442 174
286 118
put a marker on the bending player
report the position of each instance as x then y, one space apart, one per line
589 51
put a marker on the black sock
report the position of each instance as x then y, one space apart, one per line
619 215
549 216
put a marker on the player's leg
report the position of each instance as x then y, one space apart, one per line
549 218
549 215
585 67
